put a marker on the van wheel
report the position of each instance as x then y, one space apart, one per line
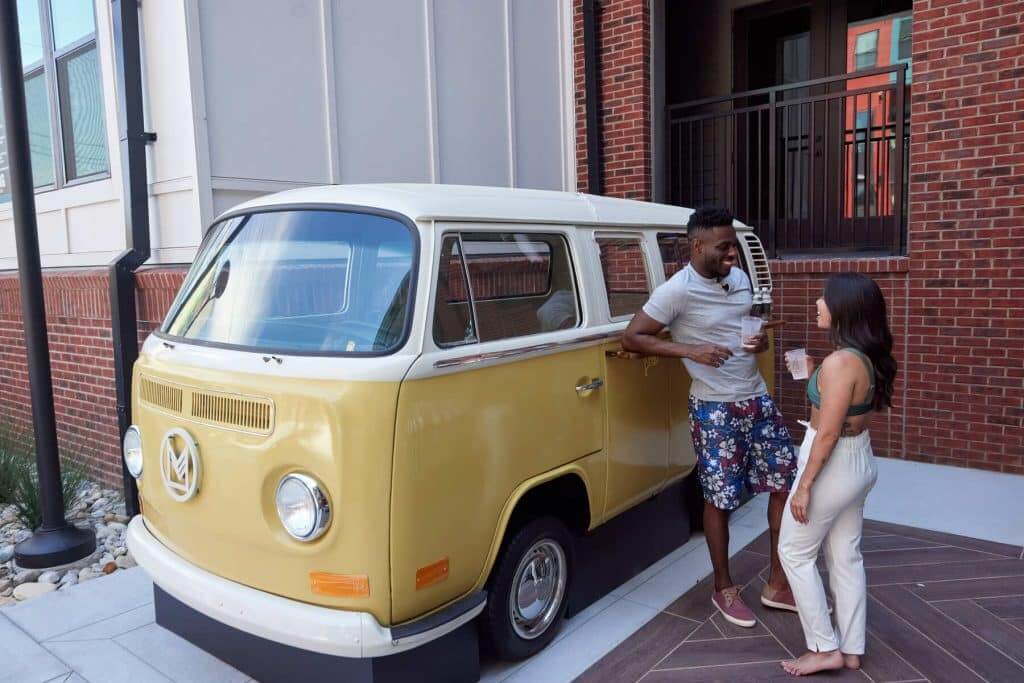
527 597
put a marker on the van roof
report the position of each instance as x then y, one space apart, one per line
478 203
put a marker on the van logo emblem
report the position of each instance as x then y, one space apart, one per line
180 467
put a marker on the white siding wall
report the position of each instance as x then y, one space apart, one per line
84 223
351 91
255 96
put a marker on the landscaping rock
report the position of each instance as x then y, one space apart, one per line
26 576
4 601
27 591
6 553
51 577
110 567
6 584
125 561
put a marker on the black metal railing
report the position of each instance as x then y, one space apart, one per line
816 166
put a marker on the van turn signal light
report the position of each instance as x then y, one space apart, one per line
339 585
431 574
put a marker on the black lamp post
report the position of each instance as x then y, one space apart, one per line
55 542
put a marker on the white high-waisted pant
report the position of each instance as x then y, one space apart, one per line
835 517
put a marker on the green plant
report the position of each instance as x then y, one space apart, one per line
13 459
19 483
27 503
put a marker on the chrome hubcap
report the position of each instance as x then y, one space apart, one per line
537 589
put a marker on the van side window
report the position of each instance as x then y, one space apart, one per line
453 315
675 252
625 274
519 284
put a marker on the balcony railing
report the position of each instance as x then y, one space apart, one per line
815 166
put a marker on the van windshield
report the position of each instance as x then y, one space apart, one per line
301 281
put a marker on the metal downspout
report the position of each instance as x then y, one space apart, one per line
592 87
121 274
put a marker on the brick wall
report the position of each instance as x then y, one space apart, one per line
625 57
965 360
81 358
955 301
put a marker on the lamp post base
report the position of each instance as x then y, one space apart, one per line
54 547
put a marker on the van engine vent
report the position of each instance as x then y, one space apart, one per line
161 395
251 414
761 274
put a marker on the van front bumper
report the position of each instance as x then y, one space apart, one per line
325 630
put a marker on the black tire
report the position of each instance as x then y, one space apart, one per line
496 621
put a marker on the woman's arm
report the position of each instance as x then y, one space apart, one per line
836 383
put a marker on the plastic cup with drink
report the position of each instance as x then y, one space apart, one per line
796 361
750 327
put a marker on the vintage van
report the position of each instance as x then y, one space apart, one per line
375 414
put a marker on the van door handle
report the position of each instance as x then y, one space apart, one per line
583 389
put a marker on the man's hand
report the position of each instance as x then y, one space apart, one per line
759 343
709 354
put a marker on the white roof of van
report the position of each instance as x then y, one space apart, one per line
477 203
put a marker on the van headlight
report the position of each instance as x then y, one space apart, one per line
302 506
132 446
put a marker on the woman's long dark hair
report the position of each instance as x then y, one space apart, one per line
860 320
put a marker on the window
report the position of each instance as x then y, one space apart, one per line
63 94
675 252
902 28
865 51
625 274
307 282
503 285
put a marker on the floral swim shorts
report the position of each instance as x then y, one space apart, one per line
737 442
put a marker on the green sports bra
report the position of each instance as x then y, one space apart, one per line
814 396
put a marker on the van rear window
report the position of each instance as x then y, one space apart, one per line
300 281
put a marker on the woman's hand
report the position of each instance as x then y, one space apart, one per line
799 501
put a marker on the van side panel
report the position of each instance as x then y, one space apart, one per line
465 441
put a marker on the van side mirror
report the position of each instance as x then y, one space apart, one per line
222 280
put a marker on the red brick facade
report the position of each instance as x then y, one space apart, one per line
955 299
625 45
81 358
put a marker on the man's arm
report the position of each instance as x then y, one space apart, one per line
641 336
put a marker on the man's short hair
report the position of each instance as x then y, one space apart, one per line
707 218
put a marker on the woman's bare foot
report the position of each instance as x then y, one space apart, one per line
851 661
813 662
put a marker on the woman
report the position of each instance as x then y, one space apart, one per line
835 472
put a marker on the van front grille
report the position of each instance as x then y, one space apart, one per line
162 395
251 414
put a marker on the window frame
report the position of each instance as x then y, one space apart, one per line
410 313
48 65
857 54
658 235
641 238
457 232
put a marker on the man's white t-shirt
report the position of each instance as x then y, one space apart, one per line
699 310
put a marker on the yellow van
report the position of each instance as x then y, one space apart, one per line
379 416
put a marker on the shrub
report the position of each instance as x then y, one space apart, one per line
13 459
19 483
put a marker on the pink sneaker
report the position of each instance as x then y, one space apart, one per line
778 599
730 604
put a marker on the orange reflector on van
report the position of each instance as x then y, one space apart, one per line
431 574
339 585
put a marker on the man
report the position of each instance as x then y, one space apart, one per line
738 433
